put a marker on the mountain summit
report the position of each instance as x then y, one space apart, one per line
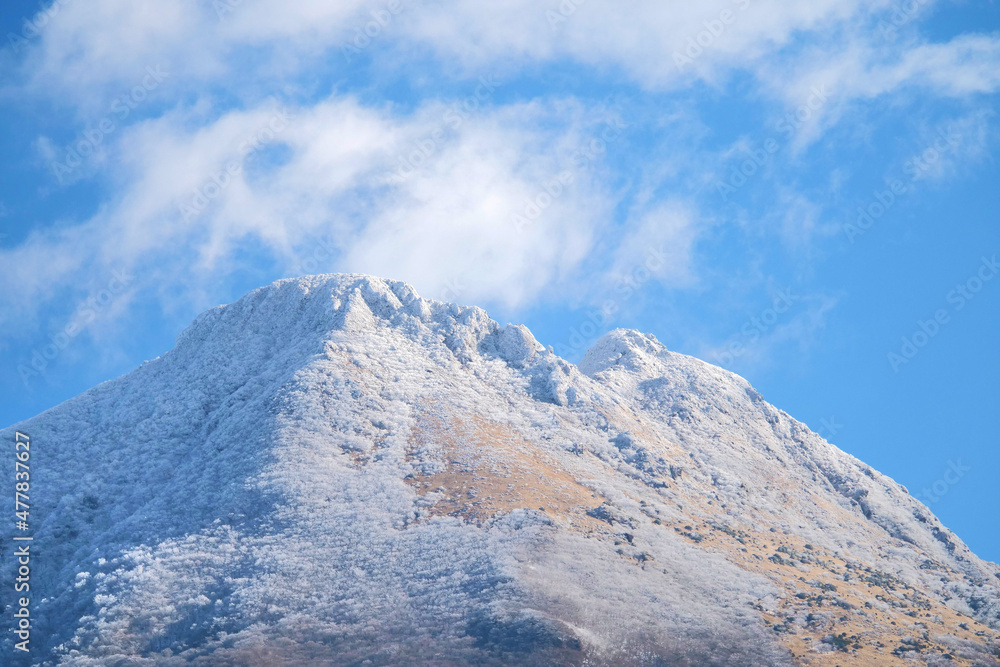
333 470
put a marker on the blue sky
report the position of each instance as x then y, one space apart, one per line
804 193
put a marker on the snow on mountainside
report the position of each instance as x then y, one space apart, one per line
333 470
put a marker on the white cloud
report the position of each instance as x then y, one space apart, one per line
190 190
346 170
641 40
455 222
860 70
89 53
659 241
951 147
800 223
790 326
88 47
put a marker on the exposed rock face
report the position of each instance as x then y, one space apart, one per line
333 470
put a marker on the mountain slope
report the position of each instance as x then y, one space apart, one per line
333 469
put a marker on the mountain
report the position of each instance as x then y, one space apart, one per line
333 470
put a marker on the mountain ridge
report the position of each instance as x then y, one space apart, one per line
410 427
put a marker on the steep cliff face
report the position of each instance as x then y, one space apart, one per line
333 469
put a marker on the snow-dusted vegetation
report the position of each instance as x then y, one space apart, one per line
333 470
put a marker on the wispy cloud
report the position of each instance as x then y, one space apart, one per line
786 328
189 193
425 189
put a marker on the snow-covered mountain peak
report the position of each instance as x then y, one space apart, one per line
622 349
334 470
320 303
638 365
314 308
